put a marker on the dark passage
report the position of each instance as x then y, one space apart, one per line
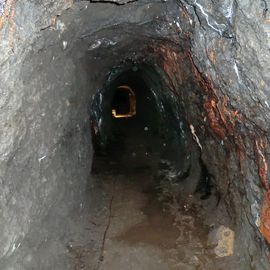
157 197
124 102
140 139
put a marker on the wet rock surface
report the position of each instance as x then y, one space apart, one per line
207 63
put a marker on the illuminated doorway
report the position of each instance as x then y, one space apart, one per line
124 102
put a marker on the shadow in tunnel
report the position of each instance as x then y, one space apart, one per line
124 102
154 178
128 132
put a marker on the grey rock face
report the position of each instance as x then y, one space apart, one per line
118 2
55 56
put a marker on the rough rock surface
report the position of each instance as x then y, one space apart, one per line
215 59
223 241
118 2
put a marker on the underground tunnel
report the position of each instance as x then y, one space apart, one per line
134 134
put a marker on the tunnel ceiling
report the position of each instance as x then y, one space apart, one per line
213 58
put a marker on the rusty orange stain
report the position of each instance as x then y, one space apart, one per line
265 217
12 29
216 109
262 163
213 118
222 120
6 14
170 62
240 151
183 12
9 15
211 55
263 171
236 113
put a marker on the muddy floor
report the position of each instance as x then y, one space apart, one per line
137 227
140 220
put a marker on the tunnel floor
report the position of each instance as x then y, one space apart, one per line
139 221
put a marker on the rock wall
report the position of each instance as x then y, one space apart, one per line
214 57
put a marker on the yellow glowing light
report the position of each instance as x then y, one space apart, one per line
115 115
132 103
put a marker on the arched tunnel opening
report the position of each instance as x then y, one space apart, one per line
124 102
134 134
132 123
